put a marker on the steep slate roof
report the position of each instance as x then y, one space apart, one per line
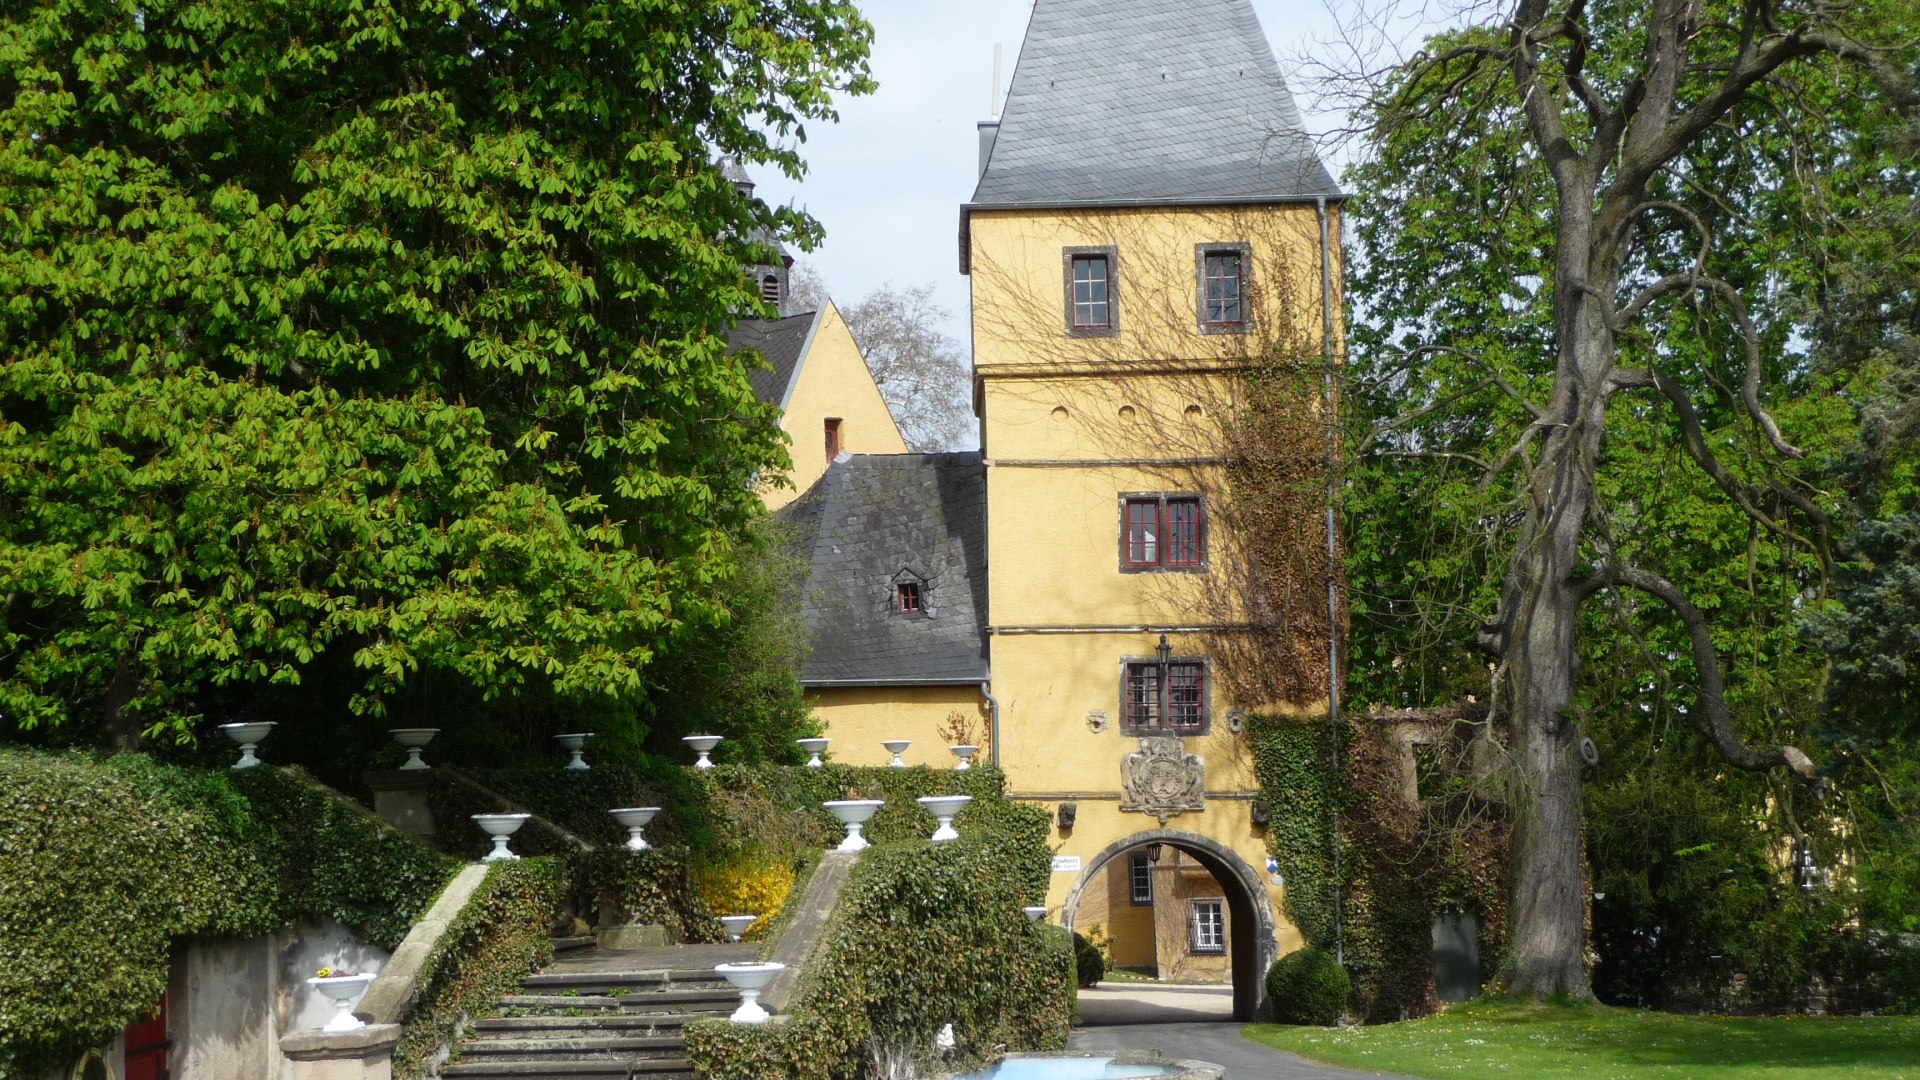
870 520
783 342
1148 101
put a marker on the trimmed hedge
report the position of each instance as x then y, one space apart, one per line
923 936
104 864
1089 964
500 937
650 886
1308 986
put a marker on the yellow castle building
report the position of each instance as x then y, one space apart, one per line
1151 224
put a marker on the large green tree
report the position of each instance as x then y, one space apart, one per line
382 329
1579 354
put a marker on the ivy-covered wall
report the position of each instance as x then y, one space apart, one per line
923 936
104 864
502 935
1401 863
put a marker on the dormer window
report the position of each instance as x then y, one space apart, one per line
907 598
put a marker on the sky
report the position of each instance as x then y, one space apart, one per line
887 181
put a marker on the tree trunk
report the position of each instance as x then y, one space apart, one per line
1540 616
122 730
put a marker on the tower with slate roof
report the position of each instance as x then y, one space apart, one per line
1150 220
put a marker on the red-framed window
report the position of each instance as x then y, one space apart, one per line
1164 698
907 597
1162 532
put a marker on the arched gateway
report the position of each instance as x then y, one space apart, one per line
1252 932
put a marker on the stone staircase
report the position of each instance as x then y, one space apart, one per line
597 1013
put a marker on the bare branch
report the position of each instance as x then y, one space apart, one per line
1749 342
1713 719
1493 375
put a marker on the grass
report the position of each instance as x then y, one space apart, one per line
1593 1042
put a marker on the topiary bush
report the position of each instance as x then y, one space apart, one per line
1308 986
105 864
1089 965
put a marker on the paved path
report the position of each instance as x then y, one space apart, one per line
1118 1017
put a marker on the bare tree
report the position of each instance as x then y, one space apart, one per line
922 372
1613 102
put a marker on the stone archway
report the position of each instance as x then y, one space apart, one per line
1252 933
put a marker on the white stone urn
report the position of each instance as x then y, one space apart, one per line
414 740
499 826
247 737
815 747
634 819
344 990
896 747
575 744
944 807
737 925
854 814
749 979
965 753
1035 913
702 745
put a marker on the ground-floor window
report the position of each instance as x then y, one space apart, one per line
1208 927
1139 879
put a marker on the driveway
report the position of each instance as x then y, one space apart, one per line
1187 1022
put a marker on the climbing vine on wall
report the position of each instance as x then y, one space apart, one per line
1404 856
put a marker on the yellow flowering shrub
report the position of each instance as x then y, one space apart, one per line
752 883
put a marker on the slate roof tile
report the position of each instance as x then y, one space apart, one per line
1148 101
870 521
781 341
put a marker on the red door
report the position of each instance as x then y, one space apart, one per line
147 1045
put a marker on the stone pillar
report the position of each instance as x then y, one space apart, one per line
400 797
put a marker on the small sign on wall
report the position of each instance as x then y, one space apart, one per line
1066 864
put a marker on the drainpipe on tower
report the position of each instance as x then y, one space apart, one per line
1333 553
993 722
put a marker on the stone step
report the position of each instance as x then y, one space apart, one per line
548 1027
576 1048
651 1069
670 978
695 999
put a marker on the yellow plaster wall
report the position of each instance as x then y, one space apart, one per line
833 381
859 718
1071 424
1129 928
1049 683
1019 290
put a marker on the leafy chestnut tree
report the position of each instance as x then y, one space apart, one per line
1575 297
381 329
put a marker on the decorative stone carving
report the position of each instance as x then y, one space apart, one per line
1162 779
1097 721
1236 720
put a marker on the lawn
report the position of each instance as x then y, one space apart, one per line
1593 1042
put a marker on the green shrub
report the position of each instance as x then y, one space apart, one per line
1089 965
104 865
651 887
923 936
1308 986
501 936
